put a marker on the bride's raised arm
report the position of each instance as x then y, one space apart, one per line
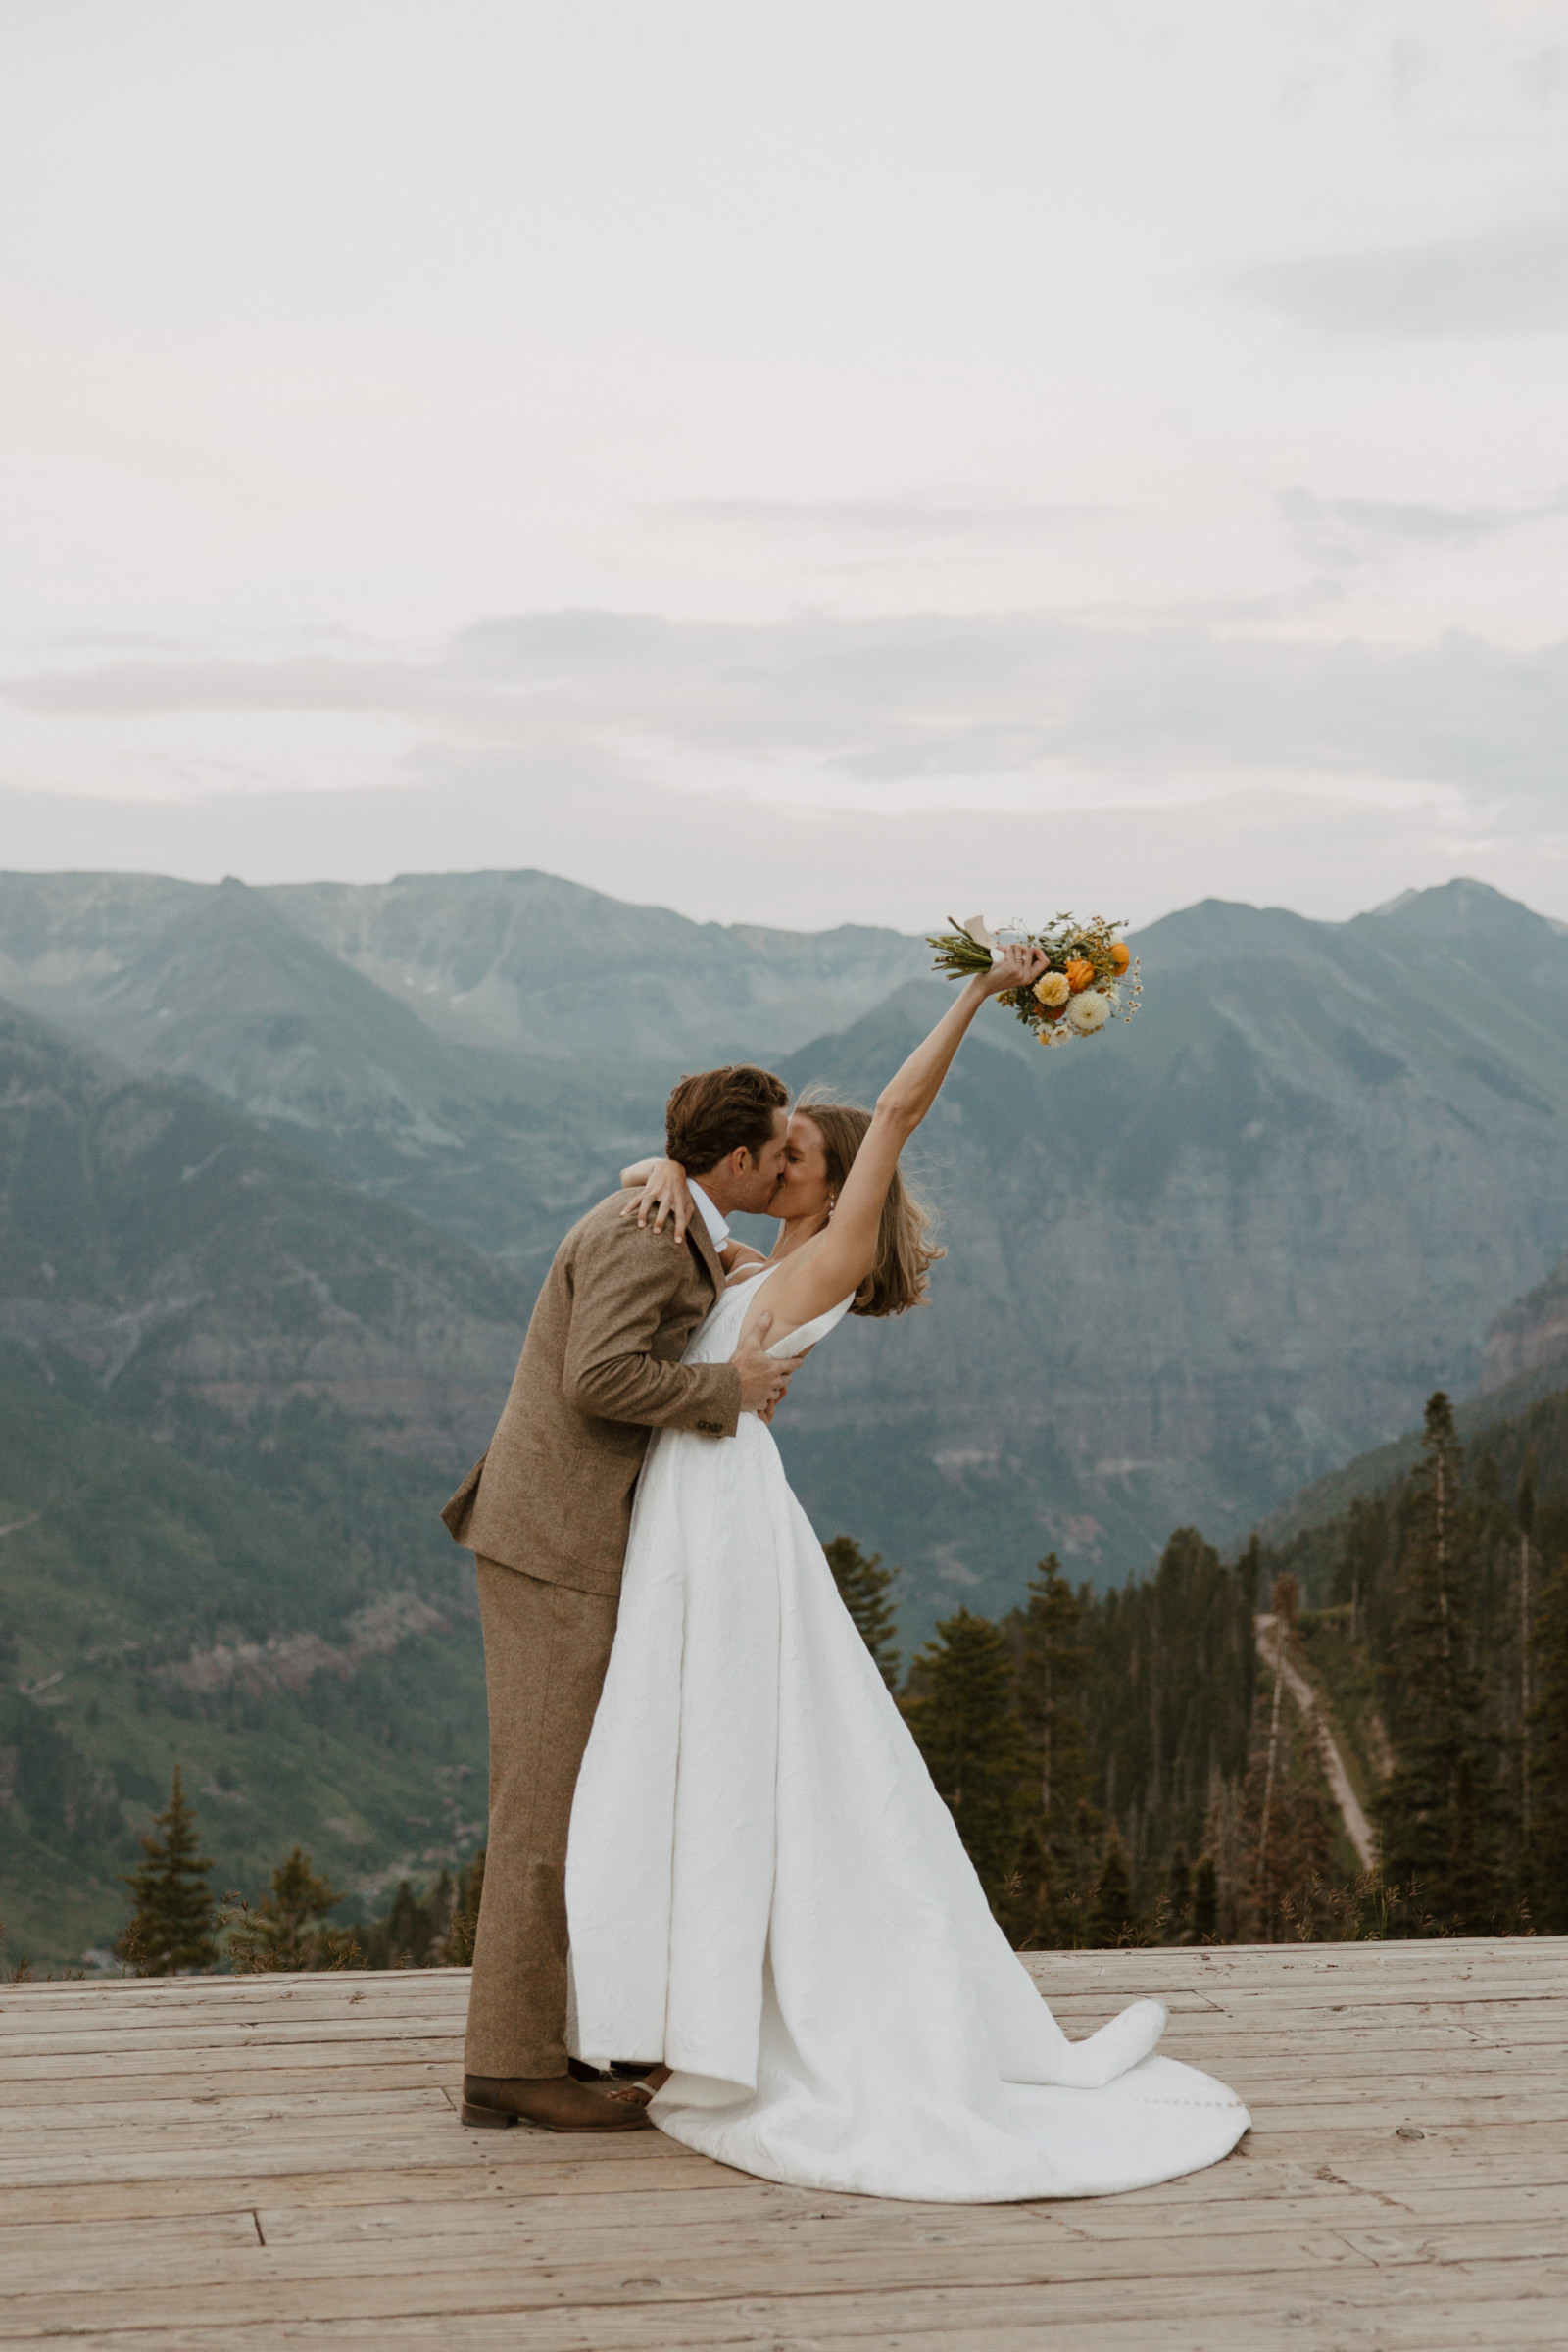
838 1260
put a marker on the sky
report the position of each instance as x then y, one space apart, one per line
863 461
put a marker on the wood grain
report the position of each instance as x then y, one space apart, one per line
261 2161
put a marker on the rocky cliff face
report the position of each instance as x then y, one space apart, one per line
175 1254
515 961
1530 1336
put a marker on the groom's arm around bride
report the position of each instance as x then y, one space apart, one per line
547 1512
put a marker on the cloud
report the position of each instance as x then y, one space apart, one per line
1348 532
926 515
1511 281
829 707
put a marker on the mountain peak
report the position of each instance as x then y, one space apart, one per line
1463 907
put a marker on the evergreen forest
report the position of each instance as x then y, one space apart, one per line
1151 1765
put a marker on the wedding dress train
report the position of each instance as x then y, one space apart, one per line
765 1889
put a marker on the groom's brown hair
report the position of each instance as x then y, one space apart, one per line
721 1111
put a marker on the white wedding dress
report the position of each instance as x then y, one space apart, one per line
765 1889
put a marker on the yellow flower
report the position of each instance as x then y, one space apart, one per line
1054 989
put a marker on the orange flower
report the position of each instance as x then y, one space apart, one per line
1079 974
1121 955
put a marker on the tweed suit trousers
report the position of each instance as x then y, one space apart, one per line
546 1649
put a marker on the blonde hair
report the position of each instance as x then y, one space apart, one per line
905 1249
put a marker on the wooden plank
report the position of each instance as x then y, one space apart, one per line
33 2052
69 2252
1440 1962
196 2188
1317 2205
1302 2060
642 2312
924 2323
1501 2149
1325 2024
305 2108
420 2275
525 2241
1455 2071
82 2029
220 2154
207 2083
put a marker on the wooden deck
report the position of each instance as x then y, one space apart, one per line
244 2163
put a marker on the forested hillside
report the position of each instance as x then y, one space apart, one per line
295 1631
1130 1764
233 1394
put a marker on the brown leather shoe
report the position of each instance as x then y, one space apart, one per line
547 2104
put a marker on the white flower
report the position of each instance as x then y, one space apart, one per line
975 925
1088 1012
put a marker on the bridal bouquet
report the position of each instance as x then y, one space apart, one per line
1092 975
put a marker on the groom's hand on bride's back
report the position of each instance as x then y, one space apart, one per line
764 1378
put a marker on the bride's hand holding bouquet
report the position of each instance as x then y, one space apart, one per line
1087 975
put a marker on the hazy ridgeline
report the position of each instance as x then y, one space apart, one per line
280 1170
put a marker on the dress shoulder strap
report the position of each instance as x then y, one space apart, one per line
809 1334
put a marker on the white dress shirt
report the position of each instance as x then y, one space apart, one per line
718 1230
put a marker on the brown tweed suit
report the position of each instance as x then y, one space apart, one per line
547 1511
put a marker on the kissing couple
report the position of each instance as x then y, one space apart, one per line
721 1895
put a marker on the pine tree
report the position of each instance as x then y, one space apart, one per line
1438 1812
287 1928
1549 1760
410 1933
1206 1899
966 1726
1359 1572
457 1950
1525 1523
1169 1696
1178 1896
863 1587
171 1930
1059 1850
1112 1918
1265 1780
1295 1893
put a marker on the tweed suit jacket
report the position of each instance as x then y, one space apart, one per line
599 1369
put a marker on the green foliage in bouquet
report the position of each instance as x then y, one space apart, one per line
1090 974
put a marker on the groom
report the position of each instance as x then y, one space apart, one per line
547 1511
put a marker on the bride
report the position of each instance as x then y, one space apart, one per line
765 1890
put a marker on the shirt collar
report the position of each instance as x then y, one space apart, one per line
718 1230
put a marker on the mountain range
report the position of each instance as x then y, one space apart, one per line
1193 1265
279 1172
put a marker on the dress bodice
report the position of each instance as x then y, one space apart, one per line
714 1340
